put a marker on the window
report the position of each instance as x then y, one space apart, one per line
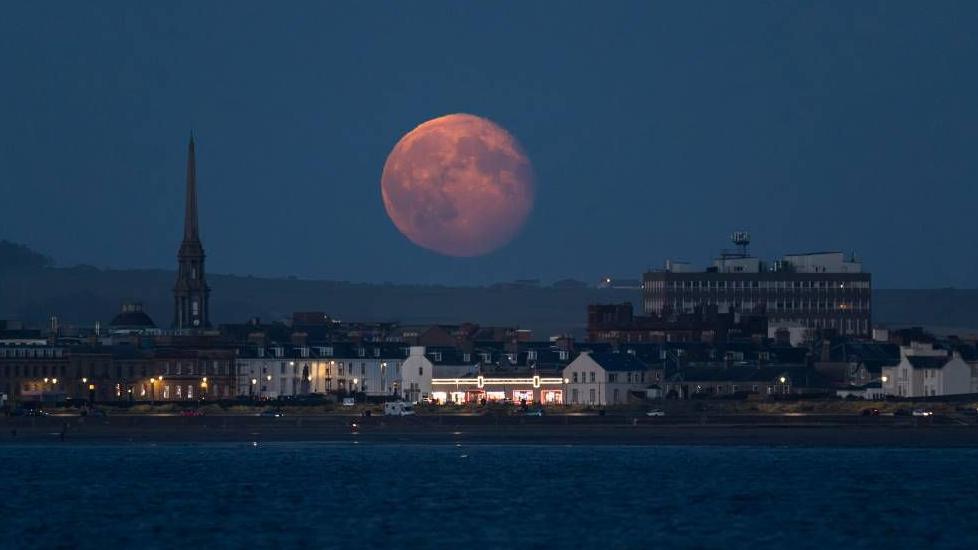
592 378
575 380
592 395
616 396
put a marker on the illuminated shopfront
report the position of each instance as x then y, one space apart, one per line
495 395
519 396
533 389
552 397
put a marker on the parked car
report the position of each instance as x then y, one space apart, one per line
398 408
22 411
192 412
272 413
870 412
656 412
923 412
534 412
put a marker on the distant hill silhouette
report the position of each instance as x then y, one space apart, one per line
13 255
31 290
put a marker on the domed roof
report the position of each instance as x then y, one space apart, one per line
132 316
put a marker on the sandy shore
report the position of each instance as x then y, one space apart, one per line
799 431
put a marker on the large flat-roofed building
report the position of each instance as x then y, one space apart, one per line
819 290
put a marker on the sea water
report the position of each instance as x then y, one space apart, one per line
298 495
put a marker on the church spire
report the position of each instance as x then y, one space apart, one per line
191 295
190 229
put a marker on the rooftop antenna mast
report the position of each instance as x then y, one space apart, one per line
741 240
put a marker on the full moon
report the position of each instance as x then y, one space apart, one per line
459 185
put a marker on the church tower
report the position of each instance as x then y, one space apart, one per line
191 296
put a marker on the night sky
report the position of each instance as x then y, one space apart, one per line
654 129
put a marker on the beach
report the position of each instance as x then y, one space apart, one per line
725 430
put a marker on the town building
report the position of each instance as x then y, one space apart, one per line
605 378
818 290
616 323
854 364
927 371
742 380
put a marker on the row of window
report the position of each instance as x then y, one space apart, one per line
748 284
31 352
612 377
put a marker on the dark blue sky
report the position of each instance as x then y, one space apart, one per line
655 129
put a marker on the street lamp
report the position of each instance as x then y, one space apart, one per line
251 390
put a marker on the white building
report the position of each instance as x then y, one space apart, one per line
604 378
924 371
278 371
289 371
416 374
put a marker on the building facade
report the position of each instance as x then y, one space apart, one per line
605 378
817 291
926 371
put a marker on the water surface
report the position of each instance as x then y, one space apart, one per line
483 496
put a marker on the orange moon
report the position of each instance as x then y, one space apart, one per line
459 185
